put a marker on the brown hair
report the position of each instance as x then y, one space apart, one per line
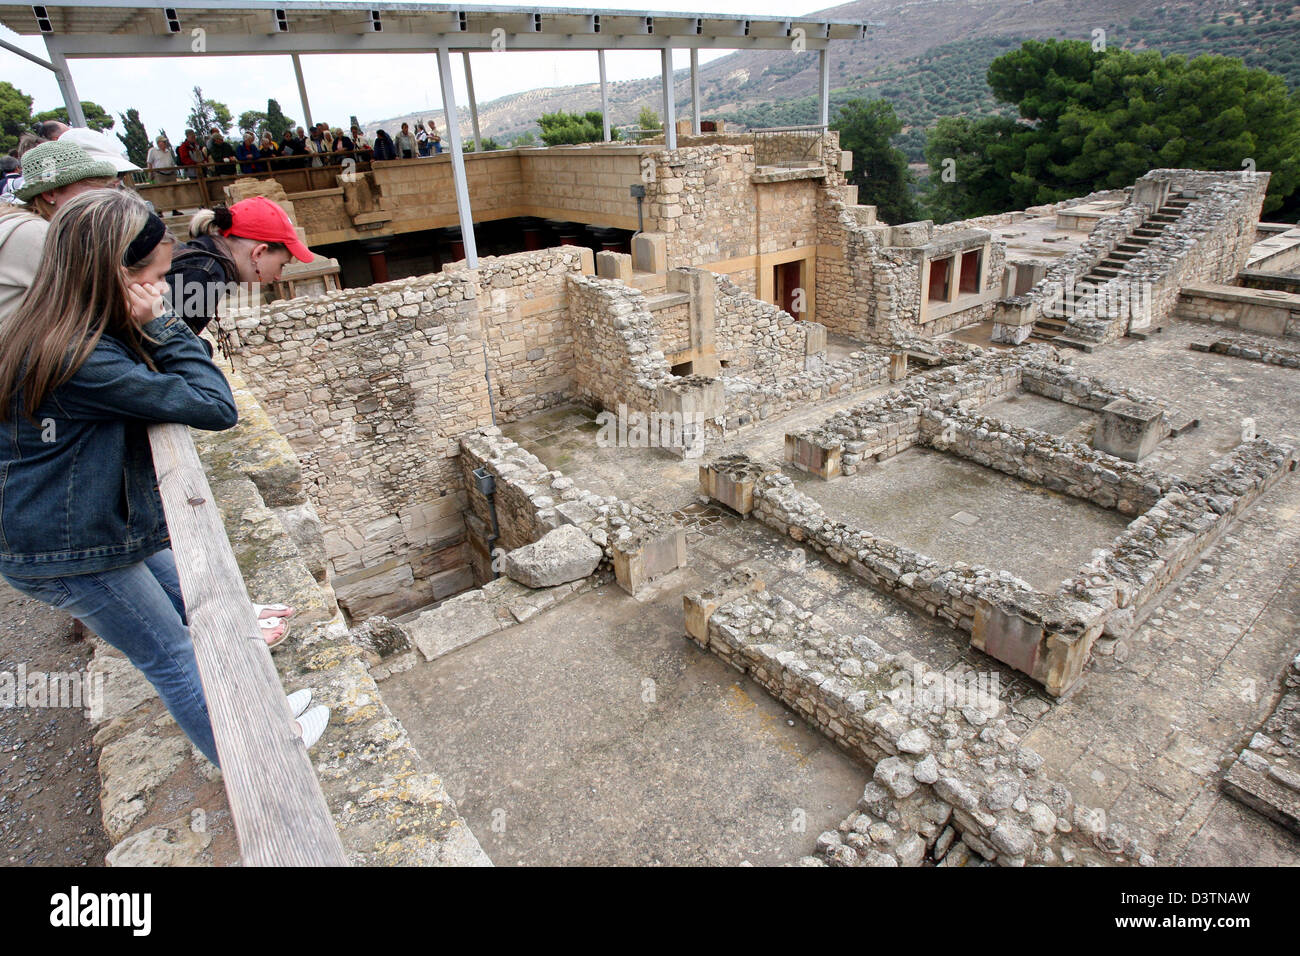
79 293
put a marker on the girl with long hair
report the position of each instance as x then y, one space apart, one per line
89 359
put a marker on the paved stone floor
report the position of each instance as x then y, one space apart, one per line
596 734
955 510
1223 392
1044 414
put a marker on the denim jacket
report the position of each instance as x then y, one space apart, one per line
78 493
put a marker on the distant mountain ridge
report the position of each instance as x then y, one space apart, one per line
929 59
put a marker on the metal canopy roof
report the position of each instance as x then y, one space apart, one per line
117 28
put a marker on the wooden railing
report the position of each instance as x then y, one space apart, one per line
276 802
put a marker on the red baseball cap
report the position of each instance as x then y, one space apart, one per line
259 218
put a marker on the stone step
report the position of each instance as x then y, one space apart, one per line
1179 421
1079 344
1165 217
1102 272
665 300
1145 233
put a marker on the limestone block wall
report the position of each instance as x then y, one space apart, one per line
523 307
846 296
164 805
674 324
702 199
1266 311
581 183
705 200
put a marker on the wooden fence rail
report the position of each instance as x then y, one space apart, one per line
278 808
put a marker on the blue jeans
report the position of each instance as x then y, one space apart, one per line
139 610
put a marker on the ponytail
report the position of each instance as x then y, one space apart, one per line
211 222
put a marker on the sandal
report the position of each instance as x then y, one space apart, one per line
277 610
269 624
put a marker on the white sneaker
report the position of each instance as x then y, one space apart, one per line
312 725
298 701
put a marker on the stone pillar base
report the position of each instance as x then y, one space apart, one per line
730 481
698 606
815 459
648 555
1129 430
1010 334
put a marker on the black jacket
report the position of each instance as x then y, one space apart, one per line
200 278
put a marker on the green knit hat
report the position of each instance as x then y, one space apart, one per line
51 165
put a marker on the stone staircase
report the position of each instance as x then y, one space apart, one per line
1053 328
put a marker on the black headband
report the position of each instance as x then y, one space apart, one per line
146 241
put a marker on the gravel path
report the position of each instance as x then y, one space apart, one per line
49 778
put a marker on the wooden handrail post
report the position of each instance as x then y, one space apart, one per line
276 802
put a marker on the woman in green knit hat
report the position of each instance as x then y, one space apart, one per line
55 172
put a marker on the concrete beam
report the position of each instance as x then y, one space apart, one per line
457 159
302 92
670 108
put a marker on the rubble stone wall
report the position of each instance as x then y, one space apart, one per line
1043 459
950 780
371 386
757 339
1126 579
615 344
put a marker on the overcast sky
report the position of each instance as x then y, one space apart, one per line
371 87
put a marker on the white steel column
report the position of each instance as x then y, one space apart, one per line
695 91
824 86
604 95
473 105
670 111
302 93
64 77
457 159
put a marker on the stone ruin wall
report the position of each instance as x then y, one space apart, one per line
950 779
846 289
615 345
371 387
758 339
1178 518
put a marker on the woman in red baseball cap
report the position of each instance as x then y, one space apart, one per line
235 249
246 245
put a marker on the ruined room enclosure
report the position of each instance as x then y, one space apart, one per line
839 503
